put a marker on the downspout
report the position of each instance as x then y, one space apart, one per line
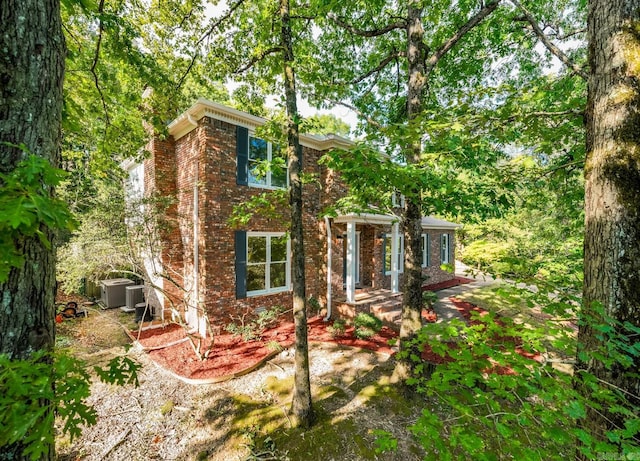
196 255
329 256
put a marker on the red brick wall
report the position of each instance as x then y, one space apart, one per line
159 185
210 150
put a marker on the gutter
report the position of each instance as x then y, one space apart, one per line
329 256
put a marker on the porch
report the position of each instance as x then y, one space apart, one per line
383 303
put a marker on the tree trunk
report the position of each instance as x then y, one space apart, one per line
301 407
411 321
612 197
31 75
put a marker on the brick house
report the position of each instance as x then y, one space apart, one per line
207 165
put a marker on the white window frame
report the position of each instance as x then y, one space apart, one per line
267 275
426 240
267 178
397 200
400 254
444 248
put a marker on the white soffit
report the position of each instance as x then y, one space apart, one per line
187 121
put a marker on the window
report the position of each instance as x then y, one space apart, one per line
397 200
426 250
268 263
267 164
387 254
444 248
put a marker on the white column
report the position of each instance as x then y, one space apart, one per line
394 258
351 262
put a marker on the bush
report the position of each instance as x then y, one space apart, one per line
254 329
429 298
337 329
366 325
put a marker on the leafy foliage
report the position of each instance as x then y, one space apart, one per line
500 394
29 209
35 391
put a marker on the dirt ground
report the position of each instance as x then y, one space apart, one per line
243 418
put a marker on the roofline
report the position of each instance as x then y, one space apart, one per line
372 218
187 121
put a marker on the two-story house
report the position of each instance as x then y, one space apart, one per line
207 165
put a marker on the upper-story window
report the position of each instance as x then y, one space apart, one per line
397 200
267 164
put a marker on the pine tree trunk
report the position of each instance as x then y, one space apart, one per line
411 321
301 407
612 195
32 52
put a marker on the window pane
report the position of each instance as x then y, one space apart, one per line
257 149
279 248
278 167
257 250
278 275
256 277
257 155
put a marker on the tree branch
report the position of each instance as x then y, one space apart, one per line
432 61
557 52
260 57
390 57
206 35
94 64
402 24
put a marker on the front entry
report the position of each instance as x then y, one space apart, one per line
356 258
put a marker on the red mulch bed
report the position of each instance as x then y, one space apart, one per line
466 309
454 282
231 356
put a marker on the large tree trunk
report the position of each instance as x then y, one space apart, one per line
411 321
31 74
612 196
301 408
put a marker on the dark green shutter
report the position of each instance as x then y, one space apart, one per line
428 250
242 155
241 264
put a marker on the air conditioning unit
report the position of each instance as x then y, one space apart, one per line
134 295
112 292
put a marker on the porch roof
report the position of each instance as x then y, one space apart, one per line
366 218
428 222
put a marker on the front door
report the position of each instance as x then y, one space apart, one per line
356 258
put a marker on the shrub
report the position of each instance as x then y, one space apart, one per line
366 325
429 298
337 329
254 329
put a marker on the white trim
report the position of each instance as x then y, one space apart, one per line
351 282
397 255
182 125
445 248
366 218
269 291
429 222
426 250
400 256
